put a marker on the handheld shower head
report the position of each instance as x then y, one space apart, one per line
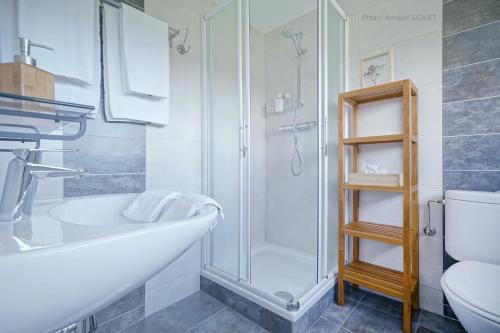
296 38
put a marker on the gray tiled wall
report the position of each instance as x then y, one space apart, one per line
471 95
471 99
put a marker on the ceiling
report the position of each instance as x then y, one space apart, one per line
267 15
352 7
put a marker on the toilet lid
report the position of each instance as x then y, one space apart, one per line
477 284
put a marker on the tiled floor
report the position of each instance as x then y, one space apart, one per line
196 313
368 312
363 312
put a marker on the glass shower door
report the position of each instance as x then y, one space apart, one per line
226 131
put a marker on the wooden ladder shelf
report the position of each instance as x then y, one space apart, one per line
402 285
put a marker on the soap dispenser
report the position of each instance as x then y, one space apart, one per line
22 77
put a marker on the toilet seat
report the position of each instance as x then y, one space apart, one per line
476 286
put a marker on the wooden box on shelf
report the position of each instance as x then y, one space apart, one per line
25 80
389 179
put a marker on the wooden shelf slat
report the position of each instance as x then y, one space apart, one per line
378 278
377 93
374 139
374 231
374 188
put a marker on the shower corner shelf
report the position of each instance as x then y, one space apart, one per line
402 285
280 105
20 107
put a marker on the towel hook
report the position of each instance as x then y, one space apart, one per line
181 48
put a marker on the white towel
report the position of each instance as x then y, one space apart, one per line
9 44
120 106
67 26
158 205
145 53
149 205
188 205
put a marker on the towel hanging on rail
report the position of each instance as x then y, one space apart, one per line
119 104
70 27
145 53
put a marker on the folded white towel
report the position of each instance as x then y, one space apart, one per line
158 205
149 205
67 26
188 205
145 53
120 106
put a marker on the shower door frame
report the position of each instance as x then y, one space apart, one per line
241 284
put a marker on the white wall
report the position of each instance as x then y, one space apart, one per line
417 55
258 194
173 157
292 201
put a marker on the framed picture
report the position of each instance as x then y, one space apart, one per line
376 68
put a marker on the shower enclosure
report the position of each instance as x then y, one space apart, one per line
273 69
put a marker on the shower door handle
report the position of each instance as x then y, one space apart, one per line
243 137
325 136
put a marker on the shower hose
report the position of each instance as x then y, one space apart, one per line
296 164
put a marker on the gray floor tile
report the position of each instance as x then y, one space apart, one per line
439 324
424 330
159 322
227 321
119 323
366 319
337 314
194 309
324 326
386 305
130 301
353 293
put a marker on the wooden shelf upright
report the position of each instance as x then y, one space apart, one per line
402 285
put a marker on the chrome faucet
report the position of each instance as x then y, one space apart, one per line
21 182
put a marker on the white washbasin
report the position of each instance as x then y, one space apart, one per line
77 256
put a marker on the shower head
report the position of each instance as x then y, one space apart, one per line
296 38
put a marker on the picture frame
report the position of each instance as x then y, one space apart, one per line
376 68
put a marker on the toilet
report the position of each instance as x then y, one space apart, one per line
472 236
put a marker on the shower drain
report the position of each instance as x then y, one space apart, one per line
284 295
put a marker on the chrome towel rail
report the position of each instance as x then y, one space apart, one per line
172 32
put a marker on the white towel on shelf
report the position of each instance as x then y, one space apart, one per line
158 205
67 26
145 53
149 205
119 105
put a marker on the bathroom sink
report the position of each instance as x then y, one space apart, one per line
76 256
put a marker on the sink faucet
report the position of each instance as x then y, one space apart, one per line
20 185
